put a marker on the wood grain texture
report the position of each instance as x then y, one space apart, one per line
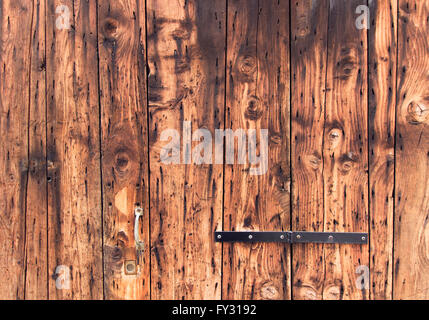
345 153
15 26
308 75
382 101
257 97
82 117
36 220
411 255
74 196
122 34
186 57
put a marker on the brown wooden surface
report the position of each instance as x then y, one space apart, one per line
73 152
15 35
186 56
122 53
412 153
345 150
257 97
381 106
36 219
308 75
82 111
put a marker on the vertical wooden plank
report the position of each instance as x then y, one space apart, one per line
412 153
15 28
122 34
36 225
308 63
258 98
74 202
186 57
382 100
345 153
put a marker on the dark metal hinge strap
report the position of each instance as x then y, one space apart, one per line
291 237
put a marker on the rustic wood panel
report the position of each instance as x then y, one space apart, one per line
308 75
82 117
15 41
412 153
36 220
186 57
74 201
345 153
257 97
122 34
381 105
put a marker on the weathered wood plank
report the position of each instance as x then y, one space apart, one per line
382 101
412 153
345 153
186 56
36 220
122 34
308 63
15 31
74 188
258 98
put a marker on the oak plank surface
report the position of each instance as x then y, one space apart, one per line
308 75
257 97
345 153
36 219
15 40
382 101
121 41
411 264
73 153
186 57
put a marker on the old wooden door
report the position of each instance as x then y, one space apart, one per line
111 105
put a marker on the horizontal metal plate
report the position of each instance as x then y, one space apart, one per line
292 237
250 236
329 237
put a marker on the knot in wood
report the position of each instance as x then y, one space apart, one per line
122 238
275 138
346 166
308 293
121 163
116 254
347 161
417 113
110 28
347 63
314 161
247 65
302 28
269 291
332 293
253 110
334 136
180 34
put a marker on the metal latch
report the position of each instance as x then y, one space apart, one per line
291 237
139 244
